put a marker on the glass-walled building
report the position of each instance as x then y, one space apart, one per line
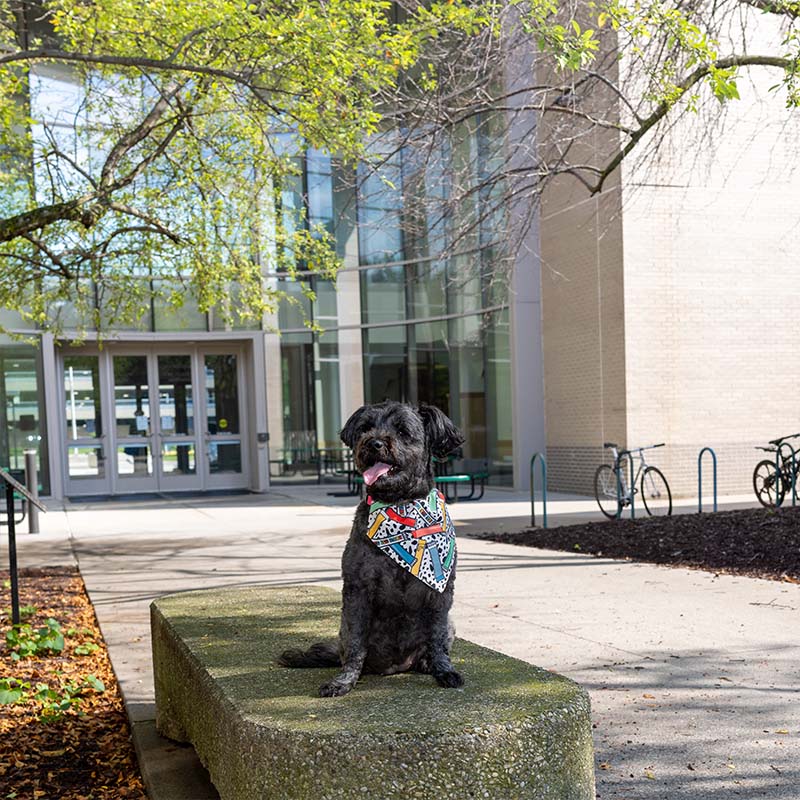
190 400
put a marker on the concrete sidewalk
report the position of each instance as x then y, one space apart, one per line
693 677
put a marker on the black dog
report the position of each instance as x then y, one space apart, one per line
392 621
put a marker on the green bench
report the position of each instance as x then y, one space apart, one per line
514 732
476 481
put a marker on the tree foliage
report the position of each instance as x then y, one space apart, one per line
161 178
161 175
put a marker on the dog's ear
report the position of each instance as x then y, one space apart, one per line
348 433
443 437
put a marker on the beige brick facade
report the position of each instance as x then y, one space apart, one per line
669 301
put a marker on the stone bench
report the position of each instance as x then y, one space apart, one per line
514 730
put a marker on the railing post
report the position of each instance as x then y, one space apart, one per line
700 478
778 476
543 465
619 483
32 484
12 554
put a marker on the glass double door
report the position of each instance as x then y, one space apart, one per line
155 420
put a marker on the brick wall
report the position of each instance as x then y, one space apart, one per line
668 300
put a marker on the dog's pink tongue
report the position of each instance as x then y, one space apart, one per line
374 472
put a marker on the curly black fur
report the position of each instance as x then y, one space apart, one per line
391 621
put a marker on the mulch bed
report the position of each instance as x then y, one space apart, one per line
759 543
87 753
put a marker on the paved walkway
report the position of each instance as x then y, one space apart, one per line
693 677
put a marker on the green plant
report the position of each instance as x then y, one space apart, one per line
23 640
85 649
25 612
12 691
56 702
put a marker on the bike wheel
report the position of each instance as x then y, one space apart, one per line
767 484
656 495
605 490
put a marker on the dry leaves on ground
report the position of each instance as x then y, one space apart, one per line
84 751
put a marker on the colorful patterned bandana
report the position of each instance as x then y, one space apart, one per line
419 536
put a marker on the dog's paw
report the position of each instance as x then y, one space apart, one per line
334 689
450 680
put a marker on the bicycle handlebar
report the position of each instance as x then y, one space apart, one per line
780 439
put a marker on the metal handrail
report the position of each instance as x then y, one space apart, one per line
700 478
543 465
618 473
13 486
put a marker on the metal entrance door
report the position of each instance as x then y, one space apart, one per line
147 418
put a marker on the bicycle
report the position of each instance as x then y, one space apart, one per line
653 485
771 484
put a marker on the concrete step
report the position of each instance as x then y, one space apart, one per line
513 731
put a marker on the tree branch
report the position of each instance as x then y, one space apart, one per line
663 108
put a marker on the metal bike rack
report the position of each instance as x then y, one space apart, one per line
619 482
543 465
778 473
700 478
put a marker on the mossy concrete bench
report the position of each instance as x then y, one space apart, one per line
514 730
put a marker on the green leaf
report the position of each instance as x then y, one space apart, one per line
94 683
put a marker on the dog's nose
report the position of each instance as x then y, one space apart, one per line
377 445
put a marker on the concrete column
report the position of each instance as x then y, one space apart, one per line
527 373
54 413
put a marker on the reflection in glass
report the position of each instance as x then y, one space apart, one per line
298 397
222 395
385 364
186 317
178 458
82 390
319 180
85 462
224 457
175 406
429 359
21 401
498 391
134 459
131 396
383 294
380 205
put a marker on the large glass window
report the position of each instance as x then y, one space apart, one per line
380 204
22 426
383 294
319 184
428 364
498 394
385 364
